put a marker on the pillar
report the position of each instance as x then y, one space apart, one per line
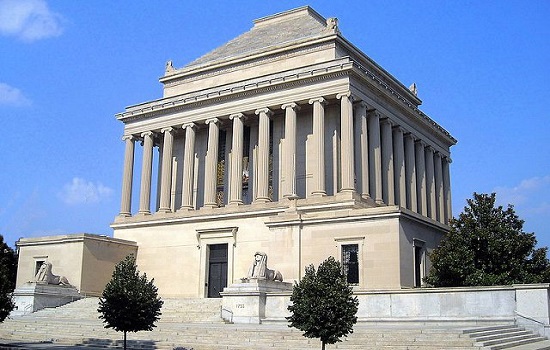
289 160
319 145
410 173
362 146
347 158
236 171
210 171
430 182
188 167
146 172
127 177
422 202
262 173
166 173
399 167
388 189
375 157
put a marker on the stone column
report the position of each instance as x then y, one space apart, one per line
430 183
388 189
166 180
447 189
422 202
439 201
188 167
410 173
362 145
210 171
347 158
289 160
126 198
319 145
236 171
375 157
262 175
146 172
399 167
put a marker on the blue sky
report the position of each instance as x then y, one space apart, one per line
66 67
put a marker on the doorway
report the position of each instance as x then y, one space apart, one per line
217 269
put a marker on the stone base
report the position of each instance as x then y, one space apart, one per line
245 302
32 297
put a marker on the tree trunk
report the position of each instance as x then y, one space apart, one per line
322 345
125 341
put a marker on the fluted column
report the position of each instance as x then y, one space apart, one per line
166 173
375 157
210 171
188 167
399 167
347 158
422 201
388 189
447 189
430 183
362 146
146 172
289 161
236 171
438 176
319 145
126 198
262 173
410 173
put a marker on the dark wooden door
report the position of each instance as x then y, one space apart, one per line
217 270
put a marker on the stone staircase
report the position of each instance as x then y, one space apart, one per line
196 324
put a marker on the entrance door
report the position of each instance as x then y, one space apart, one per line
217 270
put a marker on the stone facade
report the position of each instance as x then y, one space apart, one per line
289 140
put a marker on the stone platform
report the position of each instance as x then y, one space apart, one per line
32 297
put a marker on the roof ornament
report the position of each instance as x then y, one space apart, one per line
169 67
413 89
332 25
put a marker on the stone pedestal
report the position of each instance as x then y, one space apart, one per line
32 297
245 302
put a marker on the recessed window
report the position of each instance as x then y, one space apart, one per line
350 262
419 258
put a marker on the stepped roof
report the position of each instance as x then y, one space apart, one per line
271 32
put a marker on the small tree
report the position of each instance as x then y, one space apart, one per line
323 305
8 271
130 302
487 246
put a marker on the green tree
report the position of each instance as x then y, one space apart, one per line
8 272
323 305
486 246
130 302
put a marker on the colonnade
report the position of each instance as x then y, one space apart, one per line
378 159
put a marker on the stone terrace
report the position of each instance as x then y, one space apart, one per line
196 323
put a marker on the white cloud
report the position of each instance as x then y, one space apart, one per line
12 96
29 20
525 193
80 191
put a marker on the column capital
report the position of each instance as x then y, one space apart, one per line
128 137
266 110
318 99
386 120
399 128
447 159
292 105
236 115
167 129
146 133
211 120
430 148
375 112
345 94
360 104
421 143
408 134
189 125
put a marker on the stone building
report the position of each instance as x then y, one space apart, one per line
288 140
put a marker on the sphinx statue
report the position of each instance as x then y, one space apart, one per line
259 270
45 276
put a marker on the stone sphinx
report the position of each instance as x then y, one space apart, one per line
45 276
259 270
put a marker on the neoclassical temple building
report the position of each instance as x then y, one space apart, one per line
287 140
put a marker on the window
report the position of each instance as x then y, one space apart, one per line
350 262
419 256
